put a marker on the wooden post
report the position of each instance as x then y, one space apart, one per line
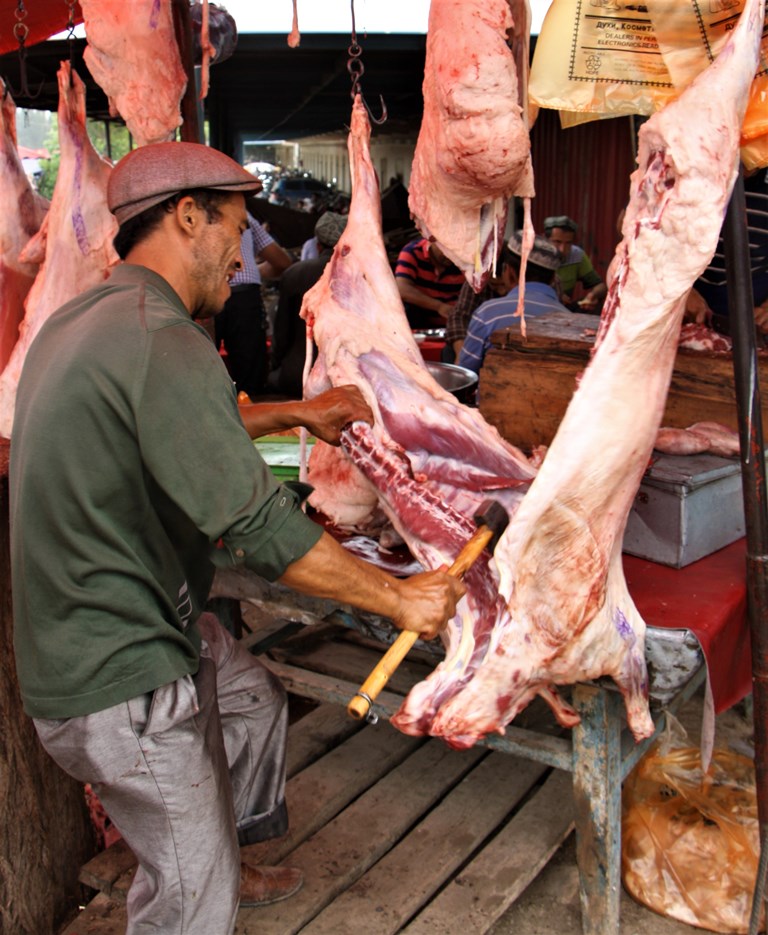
46 832
182 25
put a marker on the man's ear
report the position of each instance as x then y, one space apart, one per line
187 214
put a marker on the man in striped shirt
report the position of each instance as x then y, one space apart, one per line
540 297
428 283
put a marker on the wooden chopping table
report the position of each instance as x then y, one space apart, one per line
374 812
526 384
707 598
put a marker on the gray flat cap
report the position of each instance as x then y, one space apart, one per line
543 253
152 173
330 227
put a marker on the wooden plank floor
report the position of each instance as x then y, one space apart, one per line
393 833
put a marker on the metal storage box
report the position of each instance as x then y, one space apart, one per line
687 507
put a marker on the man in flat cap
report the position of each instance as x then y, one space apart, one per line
132 478
576 266
540 297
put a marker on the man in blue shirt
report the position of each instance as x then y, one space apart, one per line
540 297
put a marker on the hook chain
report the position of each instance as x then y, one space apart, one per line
356 70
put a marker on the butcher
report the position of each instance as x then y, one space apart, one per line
132 478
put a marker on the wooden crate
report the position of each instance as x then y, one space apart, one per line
525 385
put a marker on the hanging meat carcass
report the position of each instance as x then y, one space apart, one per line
473 151
570 615
428 461
74 243
21 217
133 55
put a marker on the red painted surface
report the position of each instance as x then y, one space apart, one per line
708 597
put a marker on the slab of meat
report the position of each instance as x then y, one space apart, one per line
428 461
570 615
698 337
74 244
473 150
673 441
700 438
22 214
294 37
133 55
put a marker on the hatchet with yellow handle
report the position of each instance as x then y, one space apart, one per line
492 519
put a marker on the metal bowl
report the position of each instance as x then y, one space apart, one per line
457 380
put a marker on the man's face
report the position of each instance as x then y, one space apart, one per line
562 239
437 256
216 256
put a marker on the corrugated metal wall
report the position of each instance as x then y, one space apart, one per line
583 171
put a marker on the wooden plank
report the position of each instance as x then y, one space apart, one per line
533 745
518 741
345 848
428 654
391 892
102 916
489 885
102 871
525 385
353 663
321 791
325 688
568 330
314 734
525 398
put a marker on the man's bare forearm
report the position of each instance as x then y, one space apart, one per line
423 603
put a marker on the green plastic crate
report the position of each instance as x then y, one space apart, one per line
282 453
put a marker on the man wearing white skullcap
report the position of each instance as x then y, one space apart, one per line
495 314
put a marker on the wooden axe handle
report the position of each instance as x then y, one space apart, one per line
360 705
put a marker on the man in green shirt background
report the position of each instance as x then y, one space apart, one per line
132 477
576 266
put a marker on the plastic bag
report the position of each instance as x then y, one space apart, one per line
690 842
590 59
600 57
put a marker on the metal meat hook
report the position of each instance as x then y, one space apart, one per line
356 68
377 120
21 31
71 39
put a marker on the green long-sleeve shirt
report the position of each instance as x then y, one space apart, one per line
131 475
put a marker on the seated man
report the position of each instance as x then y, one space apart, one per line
576 266
428 283
461 314
540 297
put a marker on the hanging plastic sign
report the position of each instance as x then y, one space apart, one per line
612 57
599 57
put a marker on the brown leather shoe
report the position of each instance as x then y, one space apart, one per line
261 886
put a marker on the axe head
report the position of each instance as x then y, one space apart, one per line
493 515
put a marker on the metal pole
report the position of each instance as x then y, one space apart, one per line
747 384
